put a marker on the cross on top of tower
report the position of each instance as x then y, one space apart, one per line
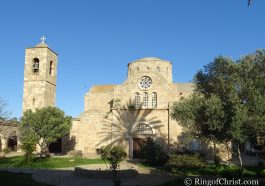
43 39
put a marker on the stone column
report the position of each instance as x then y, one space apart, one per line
18 145
4 143
131 147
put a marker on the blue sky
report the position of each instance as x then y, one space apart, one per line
96 39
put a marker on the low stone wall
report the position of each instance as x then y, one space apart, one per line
105 174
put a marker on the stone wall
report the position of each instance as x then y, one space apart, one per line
7 130
110 118
39 88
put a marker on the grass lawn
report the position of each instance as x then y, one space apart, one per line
46 163
18 179
211 169
222 170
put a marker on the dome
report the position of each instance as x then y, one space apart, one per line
149 59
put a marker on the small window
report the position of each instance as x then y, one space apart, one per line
137 100
137 68
36 65
158 69
148 68
51 68
154 99
33 101
143 129
145 100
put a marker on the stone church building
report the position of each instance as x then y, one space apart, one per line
126 113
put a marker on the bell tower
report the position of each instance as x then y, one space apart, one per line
40 74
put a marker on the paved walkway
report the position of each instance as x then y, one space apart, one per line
66 177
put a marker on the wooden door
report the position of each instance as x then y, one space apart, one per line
137 147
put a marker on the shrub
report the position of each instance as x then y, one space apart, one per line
113 156
229 172
6 150
191 152
28 144
153 153
260 164
75 153
180 161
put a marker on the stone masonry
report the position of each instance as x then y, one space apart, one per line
111 117
126 114
40 85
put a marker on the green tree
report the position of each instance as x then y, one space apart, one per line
47 124
202 118
221 78
228 97
252 93
28 143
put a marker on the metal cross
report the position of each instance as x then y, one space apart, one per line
42 39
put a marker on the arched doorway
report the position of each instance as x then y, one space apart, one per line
56 147
12 141
140 135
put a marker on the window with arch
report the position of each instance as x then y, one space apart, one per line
158 69
33 101
154 99
145 100
51 68
143 128
137 100
36 65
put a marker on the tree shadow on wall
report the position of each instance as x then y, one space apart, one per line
121 123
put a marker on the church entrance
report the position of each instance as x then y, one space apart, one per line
137 147
140 136
12 143
56 147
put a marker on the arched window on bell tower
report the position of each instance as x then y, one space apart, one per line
36 66
51 68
